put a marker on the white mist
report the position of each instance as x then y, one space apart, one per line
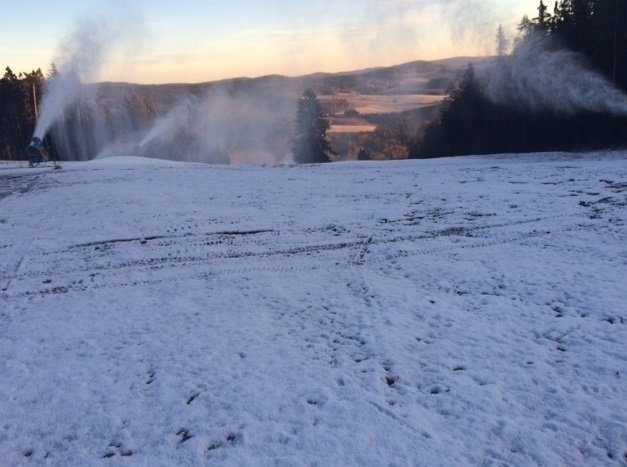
540 76
80 58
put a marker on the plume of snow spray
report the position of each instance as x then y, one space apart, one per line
164 128
235 125
61 91
540 76
80 58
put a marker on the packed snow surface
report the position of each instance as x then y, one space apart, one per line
468 311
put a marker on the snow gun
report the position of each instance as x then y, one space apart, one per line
38 154
36 149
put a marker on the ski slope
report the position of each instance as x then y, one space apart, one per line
467 311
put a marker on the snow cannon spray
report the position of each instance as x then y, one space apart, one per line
540 76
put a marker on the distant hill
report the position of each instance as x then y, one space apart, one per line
416 77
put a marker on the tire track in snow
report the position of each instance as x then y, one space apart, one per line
11 267
230 247
267 251
12 184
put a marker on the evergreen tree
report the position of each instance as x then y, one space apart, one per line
501 42
525 28
9 76
363 155
311 144
543 21
52 71
461 128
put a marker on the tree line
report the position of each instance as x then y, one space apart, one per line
472 124
19 101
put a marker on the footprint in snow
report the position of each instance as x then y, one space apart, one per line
192 398
184 435
231 439
436 389
116 448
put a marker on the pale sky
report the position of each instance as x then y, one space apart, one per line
157 41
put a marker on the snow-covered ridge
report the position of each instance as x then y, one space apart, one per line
466 311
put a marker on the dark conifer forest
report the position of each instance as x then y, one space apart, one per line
18 110
592 32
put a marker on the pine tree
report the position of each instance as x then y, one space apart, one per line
501 42
363 155
311 144
52 71
543 21
525 27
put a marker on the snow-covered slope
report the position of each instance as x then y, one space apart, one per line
467 311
